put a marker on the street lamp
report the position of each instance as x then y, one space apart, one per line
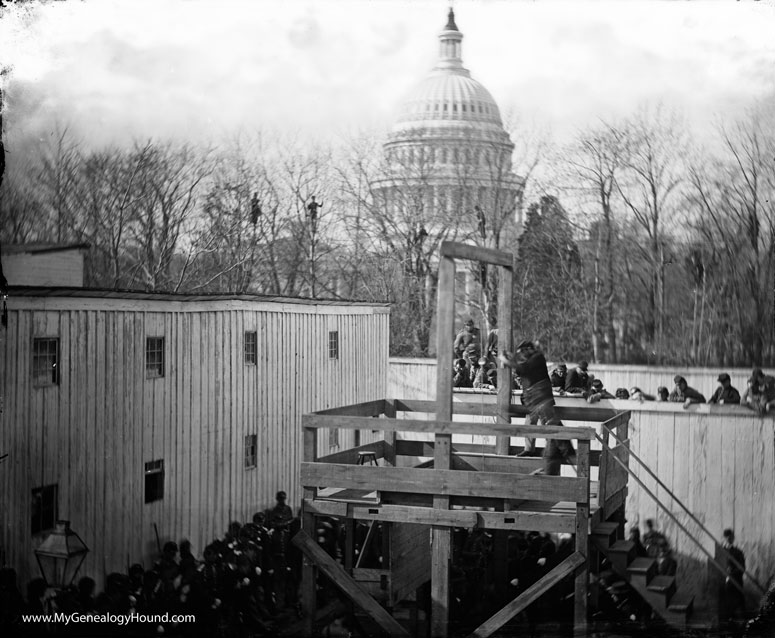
61 555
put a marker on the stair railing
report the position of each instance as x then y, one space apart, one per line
712 558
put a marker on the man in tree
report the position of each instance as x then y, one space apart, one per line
530 364
725 393
682 393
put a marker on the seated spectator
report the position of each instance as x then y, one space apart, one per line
622 393
725 393
653 540
640 550
597 392
558 376
662 393
460 375
577 380
682 393
636 394
763 392
468 336
666 565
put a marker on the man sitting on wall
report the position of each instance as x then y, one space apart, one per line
725 394
762 391
467 341
530 364
597 392
558 377
578 379
682 393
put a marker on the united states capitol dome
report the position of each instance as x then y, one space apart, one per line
449 98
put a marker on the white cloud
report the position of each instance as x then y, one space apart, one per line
118 69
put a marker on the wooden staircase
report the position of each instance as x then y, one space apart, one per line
660 592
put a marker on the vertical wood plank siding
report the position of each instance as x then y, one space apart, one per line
93 433
720 461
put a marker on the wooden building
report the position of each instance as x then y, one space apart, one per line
44 264
127 412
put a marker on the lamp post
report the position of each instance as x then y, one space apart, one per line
61 555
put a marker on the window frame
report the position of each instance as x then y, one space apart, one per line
153 470
251 348
333 345
155 370
42 491
44 374
251 451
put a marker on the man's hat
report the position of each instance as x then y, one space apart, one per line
281 496
678 378
525 344
723 377
597 383
757 372
469 322
562 366
583 365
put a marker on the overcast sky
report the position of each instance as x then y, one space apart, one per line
121 69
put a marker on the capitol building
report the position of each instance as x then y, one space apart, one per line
448 160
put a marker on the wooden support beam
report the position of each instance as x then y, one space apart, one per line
445 427
530 595
619 419
368 408
347 585
470 452
487 406
505 285
446 483
389 452
453 250
350 456
582 544
528 521
441 537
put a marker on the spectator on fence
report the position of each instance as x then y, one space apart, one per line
763 391
467 338
483 377
558 377
682 393
461 377
597 392
577 381
491 348
622 393
725 394
636 394
663 394
732 599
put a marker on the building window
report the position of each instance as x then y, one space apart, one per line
333 437
154 481
154 357
251 451
45 361
45 508
333 344
251 348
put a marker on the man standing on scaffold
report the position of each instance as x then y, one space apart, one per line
530 364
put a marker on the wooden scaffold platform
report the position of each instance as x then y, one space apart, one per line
467 485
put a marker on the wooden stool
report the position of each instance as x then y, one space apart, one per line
367 458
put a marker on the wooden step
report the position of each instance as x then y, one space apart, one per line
682 603
621 554
604 535
664 585
642 570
